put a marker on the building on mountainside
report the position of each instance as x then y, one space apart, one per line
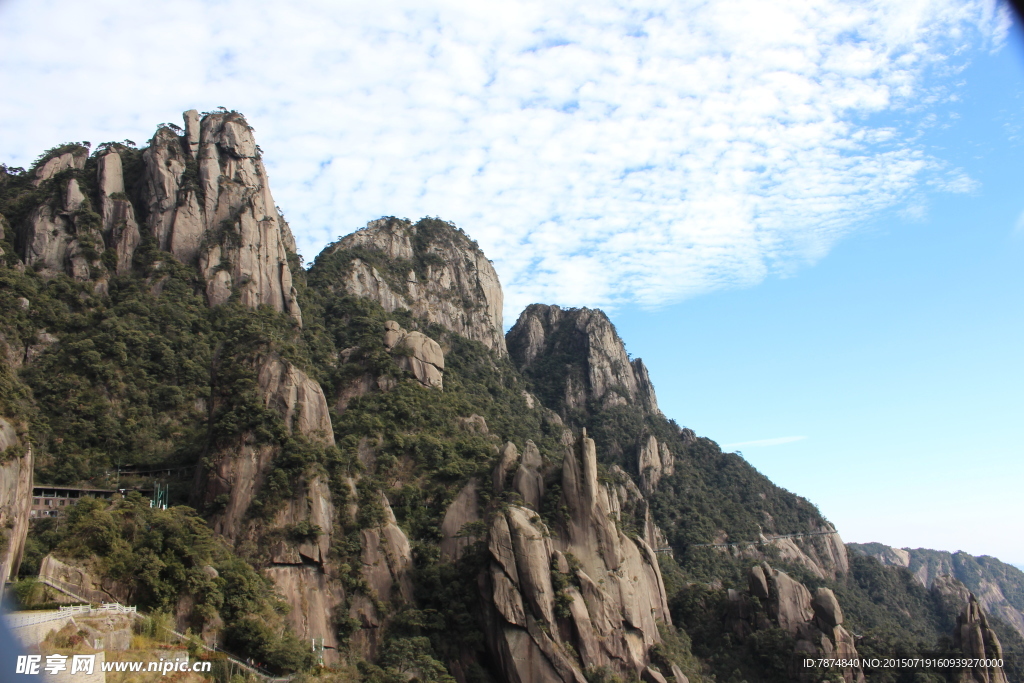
51 501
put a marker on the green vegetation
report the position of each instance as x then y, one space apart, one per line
155 556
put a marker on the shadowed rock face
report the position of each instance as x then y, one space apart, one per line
439 276
596 366
977 640
15 502
614 595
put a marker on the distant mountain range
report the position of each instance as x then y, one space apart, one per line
998 586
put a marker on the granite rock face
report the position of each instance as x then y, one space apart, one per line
238 475
654 461
465 509
208 201
823 553
118 214
297 564
613 597
83 581
59 235
74 159
386 569
528 481
604 374
438 275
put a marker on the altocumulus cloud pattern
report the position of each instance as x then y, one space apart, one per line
603 153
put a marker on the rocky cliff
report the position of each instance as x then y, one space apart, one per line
15 500
429 268
61 235
576 358
206 200
295 542
979 642
813 620
578 595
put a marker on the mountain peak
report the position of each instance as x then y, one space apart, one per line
576 358
430 268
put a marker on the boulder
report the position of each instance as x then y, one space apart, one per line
416 353
758 583
826 609
791 602
474 424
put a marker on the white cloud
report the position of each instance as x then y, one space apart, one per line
760 443
600 152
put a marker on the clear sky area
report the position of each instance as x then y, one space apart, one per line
807 218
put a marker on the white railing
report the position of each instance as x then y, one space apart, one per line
75 609
116 607
21 620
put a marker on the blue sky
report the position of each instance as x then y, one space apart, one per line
890 373
806 217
